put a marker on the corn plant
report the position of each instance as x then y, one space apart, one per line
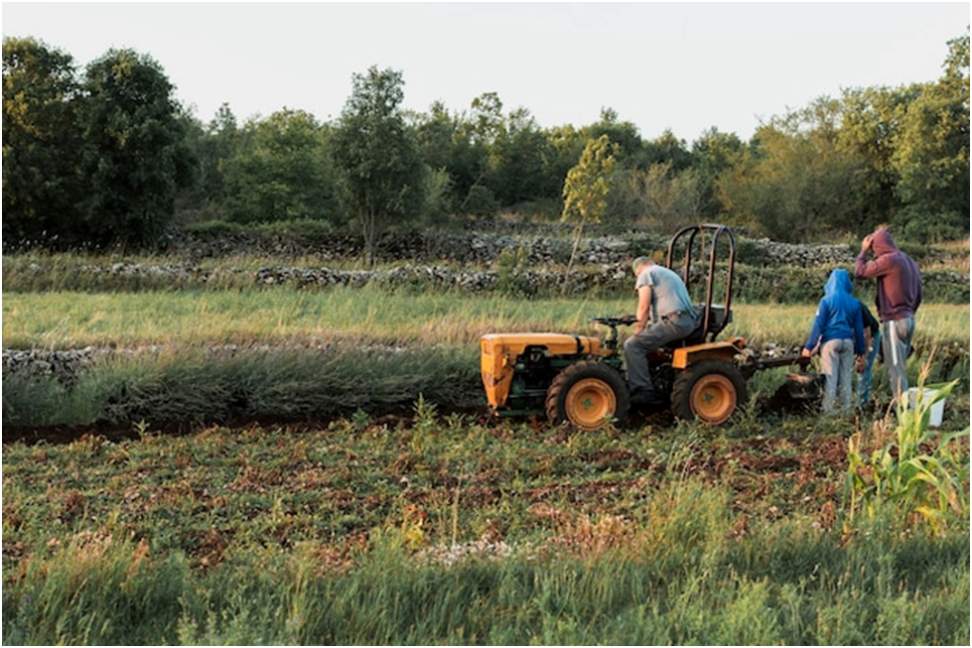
918 469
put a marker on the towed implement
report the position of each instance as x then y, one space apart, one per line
580 379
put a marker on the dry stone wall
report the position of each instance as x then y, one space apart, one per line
486 247
782 283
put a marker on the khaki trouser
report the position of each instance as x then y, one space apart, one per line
896 338
837 365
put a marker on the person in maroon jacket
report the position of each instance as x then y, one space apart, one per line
898 299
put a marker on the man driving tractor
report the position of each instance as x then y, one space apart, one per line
665 314
580 379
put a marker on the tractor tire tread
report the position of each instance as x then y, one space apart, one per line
685 380
560 385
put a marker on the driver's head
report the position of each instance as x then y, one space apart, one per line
638 265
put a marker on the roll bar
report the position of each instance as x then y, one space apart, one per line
708 330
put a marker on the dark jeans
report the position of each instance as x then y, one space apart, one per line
637 347
866 378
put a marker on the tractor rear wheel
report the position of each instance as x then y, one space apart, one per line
587 394
709 391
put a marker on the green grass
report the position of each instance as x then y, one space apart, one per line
276 536
67 319
191 386
185 387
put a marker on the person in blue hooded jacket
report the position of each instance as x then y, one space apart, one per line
838 331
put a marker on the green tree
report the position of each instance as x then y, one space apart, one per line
586 189
447 141
378 155
713 154
219 144
666 148
932 153
795 186
135 155
280 170
517 159
564 147
623 133
659 196
871 127
41 143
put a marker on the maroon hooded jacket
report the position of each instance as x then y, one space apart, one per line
898 278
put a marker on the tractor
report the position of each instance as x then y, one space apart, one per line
580 379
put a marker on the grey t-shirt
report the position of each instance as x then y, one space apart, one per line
668 292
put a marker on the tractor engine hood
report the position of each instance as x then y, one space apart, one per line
499 351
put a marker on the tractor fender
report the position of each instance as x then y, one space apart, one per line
725 350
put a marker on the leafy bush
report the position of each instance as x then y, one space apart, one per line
437 196
916 224
281 170
480 201
510 265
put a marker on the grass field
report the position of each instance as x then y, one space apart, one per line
452 531
385 517
66 319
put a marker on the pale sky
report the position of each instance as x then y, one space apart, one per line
684 67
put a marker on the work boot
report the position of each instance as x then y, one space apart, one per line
646 398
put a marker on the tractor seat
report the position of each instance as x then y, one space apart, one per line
717 321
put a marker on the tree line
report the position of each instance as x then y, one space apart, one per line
108 155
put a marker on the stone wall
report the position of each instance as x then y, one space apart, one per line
66 365
485 248
766 282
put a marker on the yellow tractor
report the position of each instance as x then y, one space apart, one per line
580 379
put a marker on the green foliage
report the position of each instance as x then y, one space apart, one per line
931 158
378 155
795 184
904 474
437 193
714 153
447 142
86 165
281 170
41 143
657 196
135 155
586 188
510 268
870 124
480 201
516 163
286 385
666 148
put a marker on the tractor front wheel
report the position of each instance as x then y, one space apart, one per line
587 394
709 391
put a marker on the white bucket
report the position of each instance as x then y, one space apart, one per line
937 410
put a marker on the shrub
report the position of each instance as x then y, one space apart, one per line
480 201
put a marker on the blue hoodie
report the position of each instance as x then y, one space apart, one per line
839 315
